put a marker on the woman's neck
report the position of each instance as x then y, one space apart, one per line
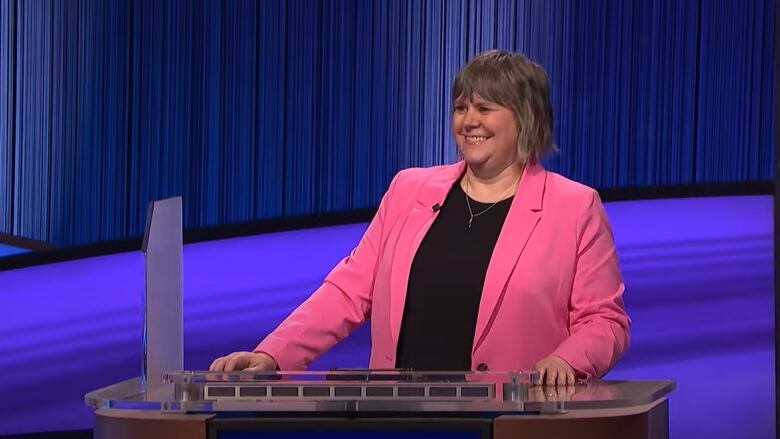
491 186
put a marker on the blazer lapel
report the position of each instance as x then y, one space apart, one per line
415 227
523 216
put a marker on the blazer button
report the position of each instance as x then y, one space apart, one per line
482 367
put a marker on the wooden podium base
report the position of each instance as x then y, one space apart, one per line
140 424
642 422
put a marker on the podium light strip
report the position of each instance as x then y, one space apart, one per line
406 392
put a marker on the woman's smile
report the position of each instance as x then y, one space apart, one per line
476 140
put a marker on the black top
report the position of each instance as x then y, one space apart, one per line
445 285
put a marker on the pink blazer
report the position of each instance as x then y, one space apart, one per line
553 286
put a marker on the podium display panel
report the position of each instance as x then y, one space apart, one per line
319 428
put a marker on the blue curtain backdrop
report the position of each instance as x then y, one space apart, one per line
274 108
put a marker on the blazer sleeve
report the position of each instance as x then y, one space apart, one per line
598 323
336 308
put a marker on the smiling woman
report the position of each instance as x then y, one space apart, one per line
491 263
506 85
485 132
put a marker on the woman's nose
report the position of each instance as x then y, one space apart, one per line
470 119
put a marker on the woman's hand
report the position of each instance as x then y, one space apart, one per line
254 361
554 371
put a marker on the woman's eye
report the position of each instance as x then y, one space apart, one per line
460 108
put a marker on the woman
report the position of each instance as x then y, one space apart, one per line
492 263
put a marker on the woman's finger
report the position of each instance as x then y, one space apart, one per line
552 376
219 364
213 365
542 374
236 362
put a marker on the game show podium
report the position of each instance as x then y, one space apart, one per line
377 404
342 404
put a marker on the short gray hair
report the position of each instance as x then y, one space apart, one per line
513 81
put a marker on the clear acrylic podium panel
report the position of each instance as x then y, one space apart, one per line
371 391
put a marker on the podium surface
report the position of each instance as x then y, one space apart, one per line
387 404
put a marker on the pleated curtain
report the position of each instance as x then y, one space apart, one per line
276 108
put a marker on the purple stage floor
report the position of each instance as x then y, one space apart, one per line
699 290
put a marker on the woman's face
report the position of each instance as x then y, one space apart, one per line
486 132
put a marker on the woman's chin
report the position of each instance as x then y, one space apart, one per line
475 160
